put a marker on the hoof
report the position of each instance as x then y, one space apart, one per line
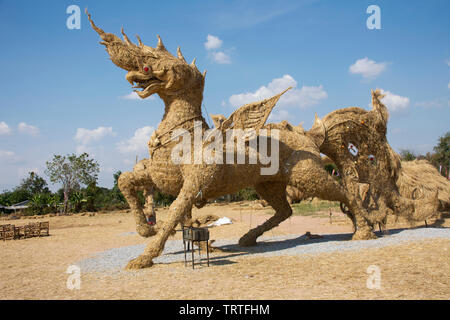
247 241
146 231
140 262
364 234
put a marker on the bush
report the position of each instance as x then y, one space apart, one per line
248 194
163 200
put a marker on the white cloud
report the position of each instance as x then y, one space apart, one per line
133 96
279 116
86 136
221 57
447 62
137 144
436 103
212 42
4 128
394 102
303 97
448 85
23 172
369 69
5 154
28 129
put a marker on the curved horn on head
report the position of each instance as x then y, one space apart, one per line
140 42
108 37
97 29
193 66
378 106
160 45
180 55
127 41
317 133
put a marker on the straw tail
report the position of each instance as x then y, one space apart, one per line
378 107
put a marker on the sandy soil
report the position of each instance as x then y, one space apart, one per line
35 268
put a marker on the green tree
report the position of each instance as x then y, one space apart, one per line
245 194
76 200
53 202
91 192
16 196
407 155
442 152
38 202
34 184
161 199
72 171
115 192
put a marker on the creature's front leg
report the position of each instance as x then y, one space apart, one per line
177 210
149 207
129 184
354 202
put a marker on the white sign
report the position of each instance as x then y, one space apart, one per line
352 149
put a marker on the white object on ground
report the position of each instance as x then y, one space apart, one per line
221 221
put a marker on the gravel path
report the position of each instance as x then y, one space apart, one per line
116 259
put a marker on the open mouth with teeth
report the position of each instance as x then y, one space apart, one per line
148 83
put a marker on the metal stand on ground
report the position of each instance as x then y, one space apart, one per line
191 235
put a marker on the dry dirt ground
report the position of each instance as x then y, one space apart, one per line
36 268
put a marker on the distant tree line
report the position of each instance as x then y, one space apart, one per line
440 158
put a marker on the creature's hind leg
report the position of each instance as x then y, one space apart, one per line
349 214
310 177
129 184
275 194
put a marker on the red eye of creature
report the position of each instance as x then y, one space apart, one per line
146 69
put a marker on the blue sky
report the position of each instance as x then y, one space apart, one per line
61 94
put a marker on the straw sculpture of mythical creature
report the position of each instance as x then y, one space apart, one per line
355 140
195 179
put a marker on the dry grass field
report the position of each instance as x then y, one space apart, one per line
35 268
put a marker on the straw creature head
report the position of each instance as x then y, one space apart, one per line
152 70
